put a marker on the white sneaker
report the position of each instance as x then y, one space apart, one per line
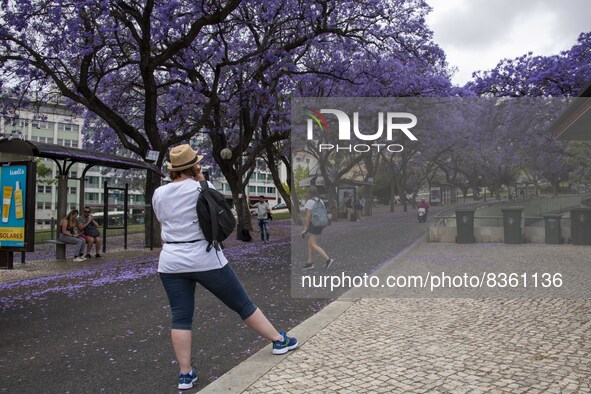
79 258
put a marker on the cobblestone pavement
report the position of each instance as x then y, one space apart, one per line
400 344
444 345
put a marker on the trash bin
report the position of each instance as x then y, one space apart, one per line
512 228
553 231
465 225
580 226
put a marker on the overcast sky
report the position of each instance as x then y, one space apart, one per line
476 34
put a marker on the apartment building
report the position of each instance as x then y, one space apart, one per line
260 184
56 124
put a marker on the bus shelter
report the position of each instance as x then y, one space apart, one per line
17 150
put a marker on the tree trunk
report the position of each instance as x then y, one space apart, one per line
243 211
272 164
152 226
555 188
392 195
294 205
332 201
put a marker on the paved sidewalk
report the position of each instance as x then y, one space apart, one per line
42 262
487 341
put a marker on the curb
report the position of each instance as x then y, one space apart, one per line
249 371
245 374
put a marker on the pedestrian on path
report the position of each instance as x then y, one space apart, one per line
362 206
348 205
313 231
263 211
68 235
89 230
184 261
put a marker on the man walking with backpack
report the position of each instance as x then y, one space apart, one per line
316 220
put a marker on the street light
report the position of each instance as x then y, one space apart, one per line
226 154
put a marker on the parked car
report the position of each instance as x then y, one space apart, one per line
279 206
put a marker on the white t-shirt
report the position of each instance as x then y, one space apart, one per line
175 208
262 209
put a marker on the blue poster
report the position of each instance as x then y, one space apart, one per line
13 181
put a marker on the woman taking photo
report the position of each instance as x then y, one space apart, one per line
184 261
68 236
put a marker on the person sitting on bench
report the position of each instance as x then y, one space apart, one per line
68 236
88 227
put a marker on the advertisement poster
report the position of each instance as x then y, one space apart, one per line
13 180
435 195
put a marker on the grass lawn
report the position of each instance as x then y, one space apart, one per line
44 235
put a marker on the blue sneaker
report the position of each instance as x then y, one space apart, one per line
282 347
186 380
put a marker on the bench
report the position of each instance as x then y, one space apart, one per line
55 242
60 248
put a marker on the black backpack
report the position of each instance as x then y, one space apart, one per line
215 216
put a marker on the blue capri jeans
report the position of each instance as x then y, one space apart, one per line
222 283
79 243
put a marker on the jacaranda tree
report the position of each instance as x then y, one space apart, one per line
555 76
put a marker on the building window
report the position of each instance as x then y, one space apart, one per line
43 204
43 189
38 124
91 197
270 190
92 181
261 189
40 139
68 127
67 142
252 189
17 134
72 190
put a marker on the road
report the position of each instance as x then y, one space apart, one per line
106 330
358 247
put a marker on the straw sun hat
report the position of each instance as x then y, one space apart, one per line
182 157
